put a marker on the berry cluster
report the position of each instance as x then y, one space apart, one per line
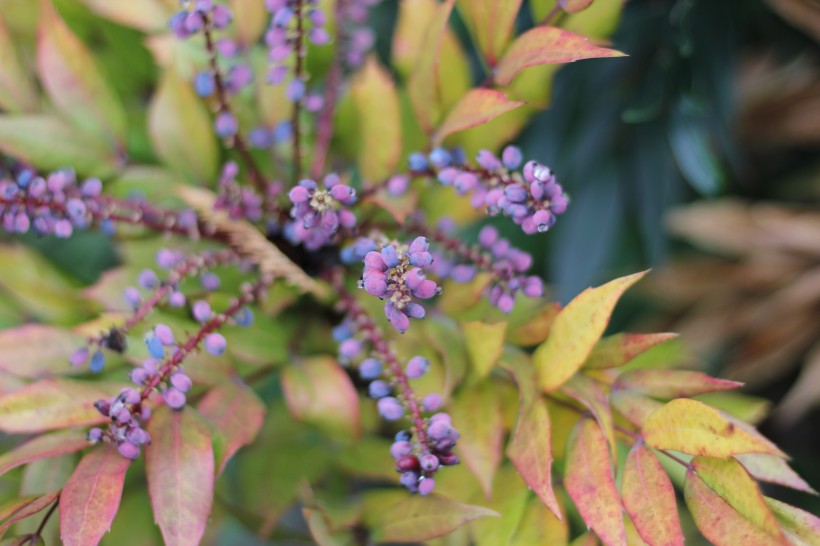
418 463
532 198
316 211
509 266
240 201
360 38
197 15
396 274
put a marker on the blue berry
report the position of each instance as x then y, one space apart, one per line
370 368
97 362
378 389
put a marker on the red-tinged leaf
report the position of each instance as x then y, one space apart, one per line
768 468
91 497
532 328
693 427
17 91
416 519
634 407
43 447
29 509
475 108
619 349
53 404
236 412
181 130
717 520
649 498
729 479
491 24
673 383
590 484
576 330
574 6
477 415
530 450
146 15
179 464
592 396
423 87
539 526
546 45
37 350
800 527
379 127
320 392
484 343
74 83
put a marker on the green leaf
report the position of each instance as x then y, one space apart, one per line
649 498
319 392
491 24
424 84
49 144
17 91
799 527
576 330
236 412
531 327
590 484
179 464
74 83
768 468
35 351
484 343
574 6
540 526
415 518
477 411
53 404
716 519
673 383
146 15
619 349
91 497
546 45
43 447
692 427
181 129
249 18
477 107
689 140
379 121
509 498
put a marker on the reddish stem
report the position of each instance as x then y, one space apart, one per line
381 347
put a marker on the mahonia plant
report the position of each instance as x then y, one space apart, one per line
299 314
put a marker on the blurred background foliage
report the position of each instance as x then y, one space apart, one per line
697 156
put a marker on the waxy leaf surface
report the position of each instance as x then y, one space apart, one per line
693 427
649 498
590 484
673 383
37 350
546 45
484 343
91 497
179 464
475 108
576 330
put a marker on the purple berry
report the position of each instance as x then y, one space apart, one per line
164 334
181 382
202 311
378 389
428 462
426 486
390 408
401 449
129 450
210 281
79 357
215 344
417 367
432 402
370 368
174 398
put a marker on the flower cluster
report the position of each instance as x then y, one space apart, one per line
360 38
316 211
396 274
240 201
54 205
532 198
284 39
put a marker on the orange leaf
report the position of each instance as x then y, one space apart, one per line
475 108
590 484
179 464
768 468
693 427
546 45
91 497
649 498
423 86
236 412
576 330
592 396
43 447
620 349
491 23
673 383
530 450
716 519
800 527
52 404
634 407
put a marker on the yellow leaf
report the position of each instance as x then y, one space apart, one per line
576 330
799 526
692 427
540 527
491 24
619 349
477 107
484 344
592 396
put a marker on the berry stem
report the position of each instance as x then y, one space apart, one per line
381 347
42 526
239 143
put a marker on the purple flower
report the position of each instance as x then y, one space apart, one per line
317 212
